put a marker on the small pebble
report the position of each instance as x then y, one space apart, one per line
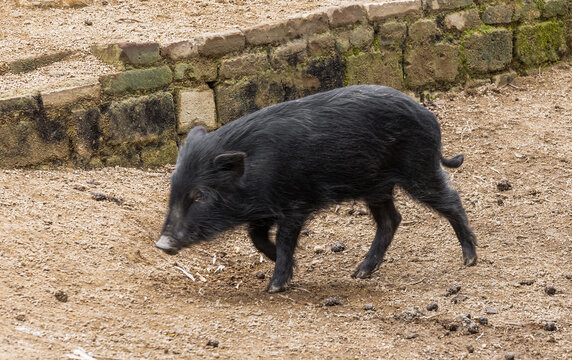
338 247
473 328
260 275
470 349
526 282
318 249
550 290
550 326
483 320
332 301
411 336
432 306
21 317
61 296
509 356
569 276
88 22
213 343
369 307
491 310
459 298
453 290
504 185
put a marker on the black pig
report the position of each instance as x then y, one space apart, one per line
281 163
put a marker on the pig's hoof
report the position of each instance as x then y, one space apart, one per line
272 288
361 274
470 261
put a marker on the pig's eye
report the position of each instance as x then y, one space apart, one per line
195 196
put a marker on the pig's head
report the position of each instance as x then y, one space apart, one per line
204 197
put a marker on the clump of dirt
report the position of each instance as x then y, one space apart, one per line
126 299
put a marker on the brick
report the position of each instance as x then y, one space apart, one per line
381 11
164 154
87 133
540 43
196 107
360 37
424 31
554 8
488 51
108 53
133 80
498 14
392 34
139 53
463 20
431 65
264 34
244 65
526 10
376 67
446 4
62 97
290 54
322 45
307 24
215 45
345 15
181 50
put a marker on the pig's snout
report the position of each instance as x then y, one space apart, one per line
167 244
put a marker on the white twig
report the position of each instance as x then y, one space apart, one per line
80 354
219 268
201 278
238 285
185 272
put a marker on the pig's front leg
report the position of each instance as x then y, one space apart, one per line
286 240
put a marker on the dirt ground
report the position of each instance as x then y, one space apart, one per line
81 278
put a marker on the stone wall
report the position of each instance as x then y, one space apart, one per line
137 116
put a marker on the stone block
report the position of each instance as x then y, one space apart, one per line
163 154
504 78
133 80
322 45
244 65
554 8
139 53
498 14
67 96
360 37
236 99
181 50
393 34
433 5
196 107
86 134
375 67
28 136
264 34
346 15
540 43
431 64
139 120
526 11
201 69
311 23
377 12
463 20
329 71
487 51
108 53
215 45
424 31
289 55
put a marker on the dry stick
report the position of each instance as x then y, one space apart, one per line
185 272
416 282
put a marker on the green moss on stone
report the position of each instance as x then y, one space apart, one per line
540 43
166 154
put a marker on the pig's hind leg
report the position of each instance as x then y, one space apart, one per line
387 219
258 231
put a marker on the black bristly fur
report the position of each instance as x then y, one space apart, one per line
283 162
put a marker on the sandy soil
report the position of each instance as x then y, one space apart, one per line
34 31
82 279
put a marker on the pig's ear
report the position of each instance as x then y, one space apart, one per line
196 132
231 164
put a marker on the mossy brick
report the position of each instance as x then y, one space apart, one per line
424 31
329 71
108 53
28 137
85 133
498 14
196 107
216 45
431 65
527 10
540 43
181 50
289 55
236 99
139 120
433 5
202 69
299 84
554 8
360 37
311 23
463 20
263 34
346 15
71 95
488 51
155 156
139 53
375 67
244 65
322 45
377 12
139 79
392 34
